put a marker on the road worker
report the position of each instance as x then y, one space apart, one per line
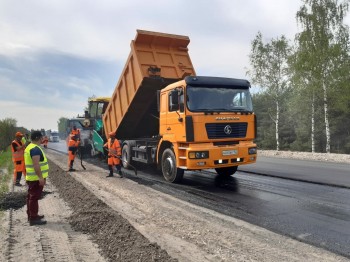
45 141
75 132
25 141
17 149
73 145
114 154
37 169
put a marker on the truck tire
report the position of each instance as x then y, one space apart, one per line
226 171
170 172
126 154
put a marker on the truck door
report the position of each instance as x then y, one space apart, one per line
175 125
163 113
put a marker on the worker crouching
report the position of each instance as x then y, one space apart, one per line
73 145
114 154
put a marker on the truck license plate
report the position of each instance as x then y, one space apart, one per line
229 152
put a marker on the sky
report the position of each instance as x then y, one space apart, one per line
56 54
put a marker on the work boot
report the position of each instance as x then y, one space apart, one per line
71 166
37 218
120 173
18 183
110 175
37 222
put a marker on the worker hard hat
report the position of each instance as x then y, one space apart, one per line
19 134
111 134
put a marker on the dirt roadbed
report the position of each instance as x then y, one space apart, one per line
94 218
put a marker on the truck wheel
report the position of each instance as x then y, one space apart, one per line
126 155
226 171
170 172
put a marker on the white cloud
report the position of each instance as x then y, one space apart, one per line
58 53
33 116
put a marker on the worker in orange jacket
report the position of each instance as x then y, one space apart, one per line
75 132
73 145
114 154
45 141
17 149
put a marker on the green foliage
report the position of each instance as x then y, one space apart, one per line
62 127
317 107
7 132
341 131
320 64
265 126
6 164
270 72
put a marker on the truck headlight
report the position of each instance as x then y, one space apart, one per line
198 154
252 151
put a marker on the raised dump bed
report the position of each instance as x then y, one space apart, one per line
155 60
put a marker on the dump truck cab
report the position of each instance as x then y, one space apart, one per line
209 123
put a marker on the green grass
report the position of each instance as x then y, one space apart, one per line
7 166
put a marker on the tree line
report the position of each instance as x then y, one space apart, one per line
8 129
304 98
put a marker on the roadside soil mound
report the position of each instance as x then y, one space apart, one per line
116 237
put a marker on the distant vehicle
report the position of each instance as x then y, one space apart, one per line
54 136
92 137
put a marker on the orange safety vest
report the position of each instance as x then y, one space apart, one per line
17 155
113 148
45 140
73 145
75 132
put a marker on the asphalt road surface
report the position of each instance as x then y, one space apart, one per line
281 200
326 173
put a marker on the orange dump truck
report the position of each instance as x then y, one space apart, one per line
167 116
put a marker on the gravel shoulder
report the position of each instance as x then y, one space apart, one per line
56 241
94 218
331 157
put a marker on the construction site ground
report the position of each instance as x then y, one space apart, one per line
94 218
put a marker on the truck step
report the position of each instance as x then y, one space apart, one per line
182 157
140 160
139 149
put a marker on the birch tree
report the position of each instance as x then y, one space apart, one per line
323 47
270 72
304 88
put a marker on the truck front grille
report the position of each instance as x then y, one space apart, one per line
226 130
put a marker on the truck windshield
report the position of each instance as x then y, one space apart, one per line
218 99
